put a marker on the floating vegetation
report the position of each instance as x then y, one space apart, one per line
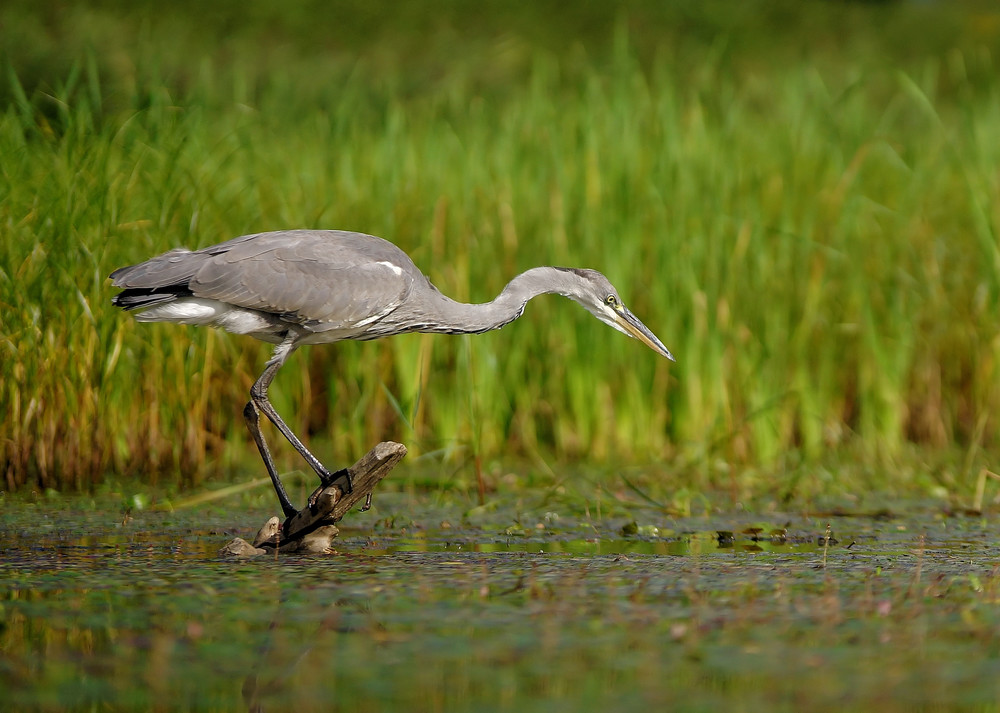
146 616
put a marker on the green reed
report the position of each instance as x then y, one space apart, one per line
817 245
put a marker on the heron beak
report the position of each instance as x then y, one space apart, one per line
631 325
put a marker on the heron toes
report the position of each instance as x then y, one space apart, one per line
327 479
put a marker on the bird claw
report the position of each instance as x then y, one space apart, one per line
368 503
328 479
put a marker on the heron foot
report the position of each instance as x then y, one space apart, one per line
327 479
368 503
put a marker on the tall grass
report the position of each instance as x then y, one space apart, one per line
817 244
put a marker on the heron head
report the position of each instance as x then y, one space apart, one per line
599 297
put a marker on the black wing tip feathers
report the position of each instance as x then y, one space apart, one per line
138 297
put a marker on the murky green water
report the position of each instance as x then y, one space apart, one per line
716 613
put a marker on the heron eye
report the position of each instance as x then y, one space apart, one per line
611 300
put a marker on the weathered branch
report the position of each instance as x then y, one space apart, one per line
312 528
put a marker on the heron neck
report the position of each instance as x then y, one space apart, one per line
454 317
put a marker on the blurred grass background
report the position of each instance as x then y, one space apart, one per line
802 199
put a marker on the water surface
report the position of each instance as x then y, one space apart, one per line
433 612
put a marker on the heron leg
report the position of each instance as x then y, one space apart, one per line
260 402
252 416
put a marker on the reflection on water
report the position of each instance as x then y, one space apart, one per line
712 615
678 545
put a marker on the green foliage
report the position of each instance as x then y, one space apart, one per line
811 228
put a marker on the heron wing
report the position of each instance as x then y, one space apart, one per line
323 280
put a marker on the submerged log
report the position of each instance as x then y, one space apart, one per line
313 528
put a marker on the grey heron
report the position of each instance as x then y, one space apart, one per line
297 287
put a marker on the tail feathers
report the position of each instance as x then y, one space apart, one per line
139 297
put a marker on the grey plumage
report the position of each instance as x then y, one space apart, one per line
298 287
